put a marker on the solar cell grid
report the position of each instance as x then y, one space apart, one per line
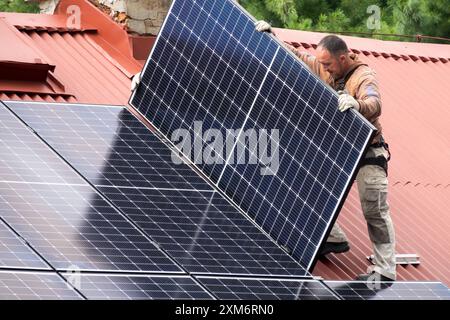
197 227
74 227
266 289
137 287
35 286
14 253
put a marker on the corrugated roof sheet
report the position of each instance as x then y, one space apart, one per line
88 65
414 80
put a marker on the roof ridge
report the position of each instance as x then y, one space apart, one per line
422 184
388 49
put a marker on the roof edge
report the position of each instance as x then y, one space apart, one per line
388 49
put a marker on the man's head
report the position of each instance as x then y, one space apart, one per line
332 53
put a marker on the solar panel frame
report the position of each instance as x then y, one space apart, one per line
398 290
311 258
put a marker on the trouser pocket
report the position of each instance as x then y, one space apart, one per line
373 195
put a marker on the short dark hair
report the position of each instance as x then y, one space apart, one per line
334 45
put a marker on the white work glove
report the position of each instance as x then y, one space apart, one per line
263 26
346 102
135 81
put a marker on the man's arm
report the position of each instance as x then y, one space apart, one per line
368 96
311 61
306 57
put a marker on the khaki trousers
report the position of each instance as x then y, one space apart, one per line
372 185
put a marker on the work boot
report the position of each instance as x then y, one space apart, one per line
373 277
333 247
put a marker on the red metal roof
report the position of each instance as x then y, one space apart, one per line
60 63
414 82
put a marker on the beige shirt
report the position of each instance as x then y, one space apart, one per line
362 85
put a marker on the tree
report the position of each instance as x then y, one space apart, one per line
18 6
404 17
422 17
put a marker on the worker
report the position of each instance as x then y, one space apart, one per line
358 89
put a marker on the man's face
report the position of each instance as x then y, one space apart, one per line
334 65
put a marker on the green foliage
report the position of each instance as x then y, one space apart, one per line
404 17
18 6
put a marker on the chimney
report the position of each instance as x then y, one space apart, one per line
144 17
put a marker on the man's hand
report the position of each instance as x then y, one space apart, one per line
263 26
135 81
346 102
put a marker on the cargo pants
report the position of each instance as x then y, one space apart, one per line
372 185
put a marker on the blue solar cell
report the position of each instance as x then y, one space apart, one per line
261 86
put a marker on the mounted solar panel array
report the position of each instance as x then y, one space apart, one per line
170 203
99 225
210 70
96 223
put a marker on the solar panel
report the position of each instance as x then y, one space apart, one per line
197 227
209 69
15 253
203 232
108 145
25 158
399 290
16 285
135 287
266 289
63 218
73 227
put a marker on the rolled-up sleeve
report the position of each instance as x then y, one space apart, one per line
368 96
311 61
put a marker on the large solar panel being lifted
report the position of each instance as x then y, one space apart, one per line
209 69
200 229
399 290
